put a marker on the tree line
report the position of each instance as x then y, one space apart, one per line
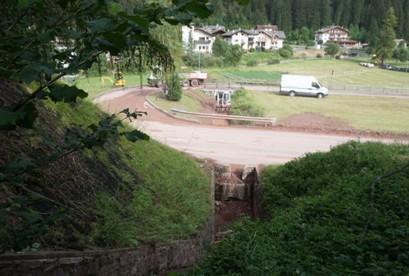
363 17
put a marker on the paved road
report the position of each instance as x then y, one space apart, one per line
228 145
240 145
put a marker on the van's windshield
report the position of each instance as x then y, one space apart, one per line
316 85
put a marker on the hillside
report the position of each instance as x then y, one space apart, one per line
118 194
364 15
339 213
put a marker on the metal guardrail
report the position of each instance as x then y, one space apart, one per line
265 120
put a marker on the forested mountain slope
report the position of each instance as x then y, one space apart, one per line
295 14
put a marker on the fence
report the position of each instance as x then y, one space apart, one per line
335 88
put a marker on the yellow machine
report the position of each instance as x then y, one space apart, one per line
119 79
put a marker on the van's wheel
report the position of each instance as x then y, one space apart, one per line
320 95
194 83
185 83
292 94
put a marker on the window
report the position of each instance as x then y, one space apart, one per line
315 85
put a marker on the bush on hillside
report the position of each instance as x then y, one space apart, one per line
324 221
244 105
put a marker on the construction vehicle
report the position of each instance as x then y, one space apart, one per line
193 79
223 100
119 79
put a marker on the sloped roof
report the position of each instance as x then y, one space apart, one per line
329 28
233 32
267 27
212 29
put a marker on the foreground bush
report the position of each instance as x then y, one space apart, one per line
324 219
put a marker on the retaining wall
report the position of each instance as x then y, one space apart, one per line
143 260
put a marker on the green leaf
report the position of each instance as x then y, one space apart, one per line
32 72
30 114
66 93
25 117
101 25
135 135
9 119
114 8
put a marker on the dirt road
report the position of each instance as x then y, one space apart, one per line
228 145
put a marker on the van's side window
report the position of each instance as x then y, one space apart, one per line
315 85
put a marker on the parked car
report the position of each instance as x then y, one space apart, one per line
367 64
296 85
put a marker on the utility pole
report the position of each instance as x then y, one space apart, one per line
199 61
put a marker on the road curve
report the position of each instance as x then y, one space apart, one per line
227 145
240 146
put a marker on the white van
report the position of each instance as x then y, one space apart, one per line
294 85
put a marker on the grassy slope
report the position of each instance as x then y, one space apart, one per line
345 72
123 193
372 113
172 200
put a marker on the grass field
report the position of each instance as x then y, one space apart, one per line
337 72
385 114
364 113
191 101
96 85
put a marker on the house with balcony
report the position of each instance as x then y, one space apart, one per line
335 34
200 39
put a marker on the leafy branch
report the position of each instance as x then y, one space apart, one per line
372 192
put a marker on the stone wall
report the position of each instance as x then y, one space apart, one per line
154 259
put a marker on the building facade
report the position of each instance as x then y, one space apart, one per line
200 40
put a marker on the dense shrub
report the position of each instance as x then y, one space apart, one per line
273 61
204 61
174 89
229 54
332 49
319 55
251 63
286 51
401 54
322 220
243 104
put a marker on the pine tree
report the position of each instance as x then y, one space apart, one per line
387 36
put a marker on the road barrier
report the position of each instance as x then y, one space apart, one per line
265 120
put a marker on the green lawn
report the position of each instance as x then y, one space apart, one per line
190 101
365 113
361 112
96 85
337 72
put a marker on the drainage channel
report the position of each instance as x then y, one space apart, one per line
237 194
